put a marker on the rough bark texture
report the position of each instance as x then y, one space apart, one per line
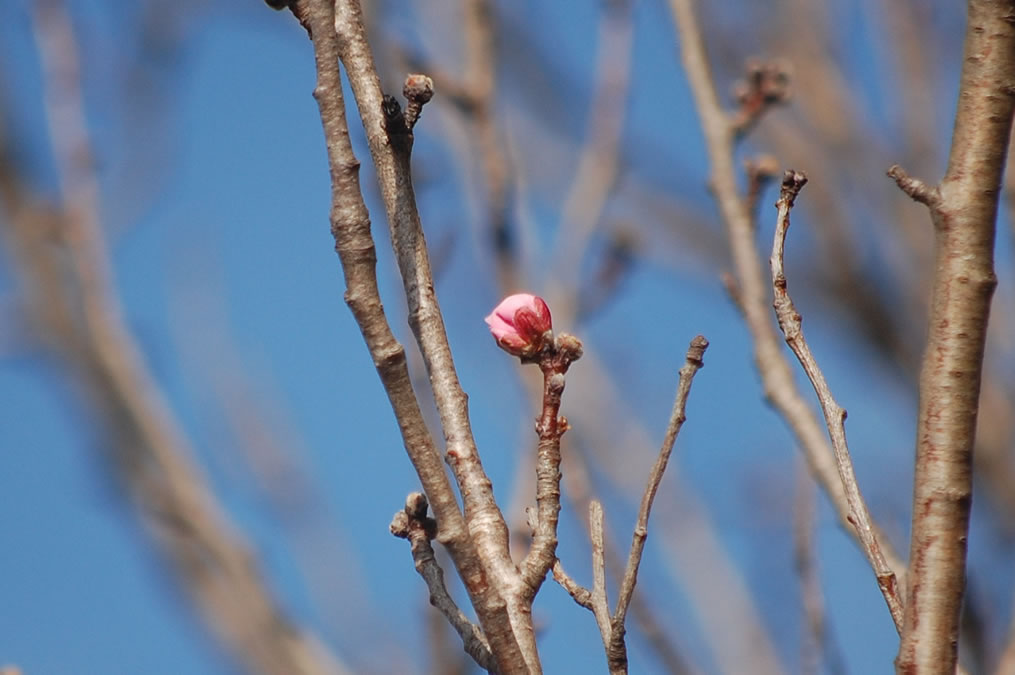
351 226
964 210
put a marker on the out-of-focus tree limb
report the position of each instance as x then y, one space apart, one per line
67 276
751 289
835 415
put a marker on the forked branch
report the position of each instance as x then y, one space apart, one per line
350 223
612 627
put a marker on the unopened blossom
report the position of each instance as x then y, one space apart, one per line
521 324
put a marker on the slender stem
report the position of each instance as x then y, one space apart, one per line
616 653
600 601
412 523
550 427
835 415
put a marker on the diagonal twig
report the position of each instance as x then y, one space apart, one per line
780 388
617 651
412 523
835 415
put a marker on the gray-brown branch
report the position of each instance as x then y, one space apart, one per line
964 210
750 285
350 223
835 416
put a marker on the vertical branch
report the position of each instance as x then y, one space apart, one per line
964 210
554 364
780 388
354 244
390 147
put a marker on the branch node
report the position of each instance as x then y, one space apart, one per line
765 84
418 90
914 187
792 182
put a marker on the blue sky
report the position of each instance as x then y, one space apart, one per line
215 202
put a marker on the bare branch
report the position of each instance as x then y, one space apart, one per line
594 600
390 145
355 246
600 602
581 595
617 651
835 416
751 288
554 362
964 216
413 524
914 187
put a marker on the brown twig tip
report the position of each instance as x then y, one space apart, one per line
416 505
914 187
792 183
569 348
696 350
765 83
413 518
400 525
418 90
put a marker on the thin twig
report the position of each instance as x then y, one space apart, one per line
734 633
835 415
354 244
550 427
413 524
964 214
581 595
819 647
914 187
617 651
751 288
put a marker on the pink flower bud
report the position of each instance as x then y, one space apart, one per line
520 324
